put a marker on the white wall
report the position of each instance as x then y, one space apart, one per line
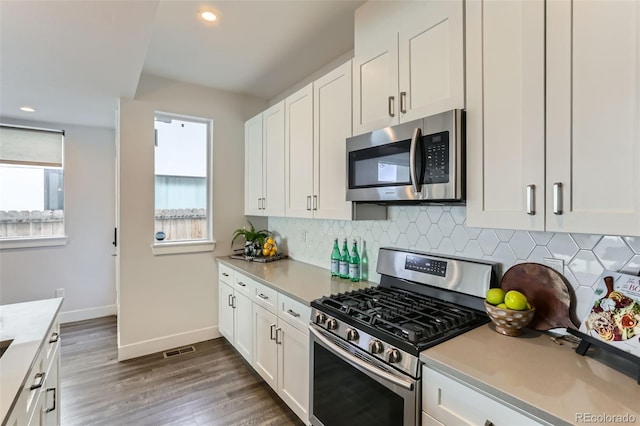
171 300
85 266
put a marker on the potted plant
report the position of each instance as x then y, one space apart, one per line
254 240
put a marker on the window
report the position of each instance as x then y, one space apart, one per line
31 184
182 179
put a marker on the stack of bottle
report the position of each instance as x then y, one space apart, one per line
344 265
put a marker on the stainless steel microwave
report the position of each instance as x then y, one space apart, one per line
418 161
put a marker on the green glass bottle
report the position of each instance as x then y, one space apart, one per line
354 263
344 260
335 259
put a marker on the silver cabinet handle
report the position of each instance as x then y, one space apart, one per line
315 202
278 330
53 407
488 423
40 377
308 202
224 274
229 300
557 198
55 336
263 297
241 284
259 205
272 328
531 200
417 135
391 106
292 313
403 102
264 203
234 302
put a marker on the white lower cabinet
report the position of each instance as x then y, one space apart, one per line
234 310
281 356
269 330
447 401
39 400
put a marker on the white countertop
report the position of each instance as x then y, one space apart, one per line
29 325
533 373
298 280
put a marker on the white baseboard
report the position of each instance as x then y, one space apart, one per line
152 346
85 314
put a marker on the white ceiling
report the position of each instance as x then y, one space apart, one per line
72 60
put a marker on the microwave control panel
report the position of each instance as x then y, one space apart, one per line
436 148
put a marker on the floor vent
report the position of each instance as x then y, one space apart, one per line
179 351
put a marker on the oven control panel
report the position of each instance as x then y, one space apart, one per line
426 265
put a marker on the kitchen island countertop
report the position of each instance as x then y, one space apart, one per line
543 378
28 324
298 280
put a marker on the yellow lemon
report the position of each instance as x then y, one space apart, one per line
495 296
515 300
266 252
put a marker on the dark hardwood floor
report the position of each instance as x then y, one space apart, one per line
212 386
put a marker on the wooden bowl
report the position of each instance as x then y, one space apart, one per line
508 321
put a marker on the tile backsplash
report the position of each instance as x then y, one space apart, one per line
442 229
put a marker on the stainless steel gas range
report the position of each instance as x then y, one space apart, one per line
365 344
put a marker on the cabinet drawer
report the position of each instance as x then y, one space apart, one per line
452 402
265 297
295 313
225 274
244 284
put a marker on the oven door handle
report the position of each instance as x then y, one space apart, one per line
417 135
349 357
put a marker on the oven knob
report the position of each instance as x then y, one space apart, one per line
332 324
352 335
393 356
320 318
376 347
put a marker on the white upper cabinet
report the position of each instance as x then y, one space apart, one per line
409 62
505 114
253 166
581 174
332 126
299 153
593 116
264 163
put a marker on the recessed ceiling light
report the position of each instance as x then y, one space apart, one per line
208 16
27 109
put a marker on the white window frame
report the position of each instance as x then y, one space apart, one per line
39 240
207 244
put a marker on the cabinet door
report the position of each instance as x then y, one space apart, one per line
273 156
225 311
51 392
243 325
375 87
593 117
299 153
505 114
253 166
265 350
293 368
332 126
431 59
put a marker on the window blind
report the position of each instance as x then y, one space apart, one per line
34 147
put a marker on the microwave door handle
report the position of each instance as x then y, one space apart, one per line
415 181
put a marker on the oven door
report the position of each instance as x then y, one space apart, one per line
349 387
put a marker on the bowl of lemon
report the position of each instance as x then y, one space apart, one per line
509 311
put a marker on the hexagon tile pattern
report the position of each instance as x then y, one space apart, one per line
443 230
